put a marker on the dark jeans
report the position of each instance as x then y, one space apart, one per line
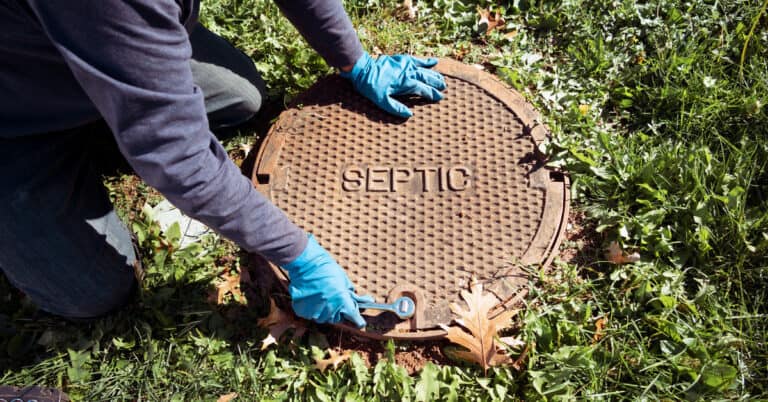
61 242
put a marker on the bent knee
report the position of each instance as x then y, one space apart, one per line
97 303
230 99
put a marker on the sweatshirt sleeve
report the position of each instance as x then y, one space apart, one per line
327 28
131 57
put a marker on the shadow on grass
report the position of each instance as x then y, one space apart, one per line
583 245
165 311
165 314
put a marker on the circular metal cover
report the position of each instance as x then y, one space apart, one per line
417 207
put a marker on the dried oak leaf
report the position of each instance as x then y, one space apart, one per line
489 20
407 10
227 397
599 325
615 255
513 341
279 321
230 284
335 359
478 332
510 35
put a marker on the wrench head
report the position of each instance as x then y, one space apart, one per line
404 307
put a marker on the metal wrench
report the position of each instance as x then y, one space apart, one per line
403 307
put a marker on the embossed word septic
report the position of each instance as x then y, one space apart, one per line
419 179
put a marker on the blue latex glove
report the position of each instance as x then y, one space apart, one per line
320 289
387 76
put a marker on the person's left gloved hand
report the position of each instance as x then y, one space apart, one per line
386 76
320 289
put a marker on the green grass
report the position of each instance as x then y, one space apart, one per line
658 114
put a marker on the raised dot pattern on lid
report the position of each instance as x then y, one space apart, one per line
433 240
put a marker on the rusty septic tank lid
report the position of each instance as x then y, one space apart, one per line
418 207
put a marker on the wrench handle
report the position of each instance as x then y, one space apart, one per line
404 307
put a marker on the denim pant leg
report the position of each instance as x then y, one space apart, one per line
61 242
233 89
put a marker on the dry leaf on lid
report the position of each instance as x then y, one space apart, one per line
477 333
616 255
335 359
279 321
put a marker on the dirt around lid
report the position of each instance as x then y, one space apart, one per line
417 207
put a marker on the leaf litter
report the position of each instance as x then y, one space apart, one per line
478 333
227 397
335 359
278 322
489 20
229 284
616 255
599 326
408 11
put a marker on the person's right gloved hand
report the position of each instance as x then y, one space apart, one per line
320 289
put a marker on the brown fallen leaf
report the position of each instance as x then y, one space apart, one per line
478 332
640 58
335 359
279 321
489 20
230 284
518 363
408 10
227 397
615 255
599 325
512 341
